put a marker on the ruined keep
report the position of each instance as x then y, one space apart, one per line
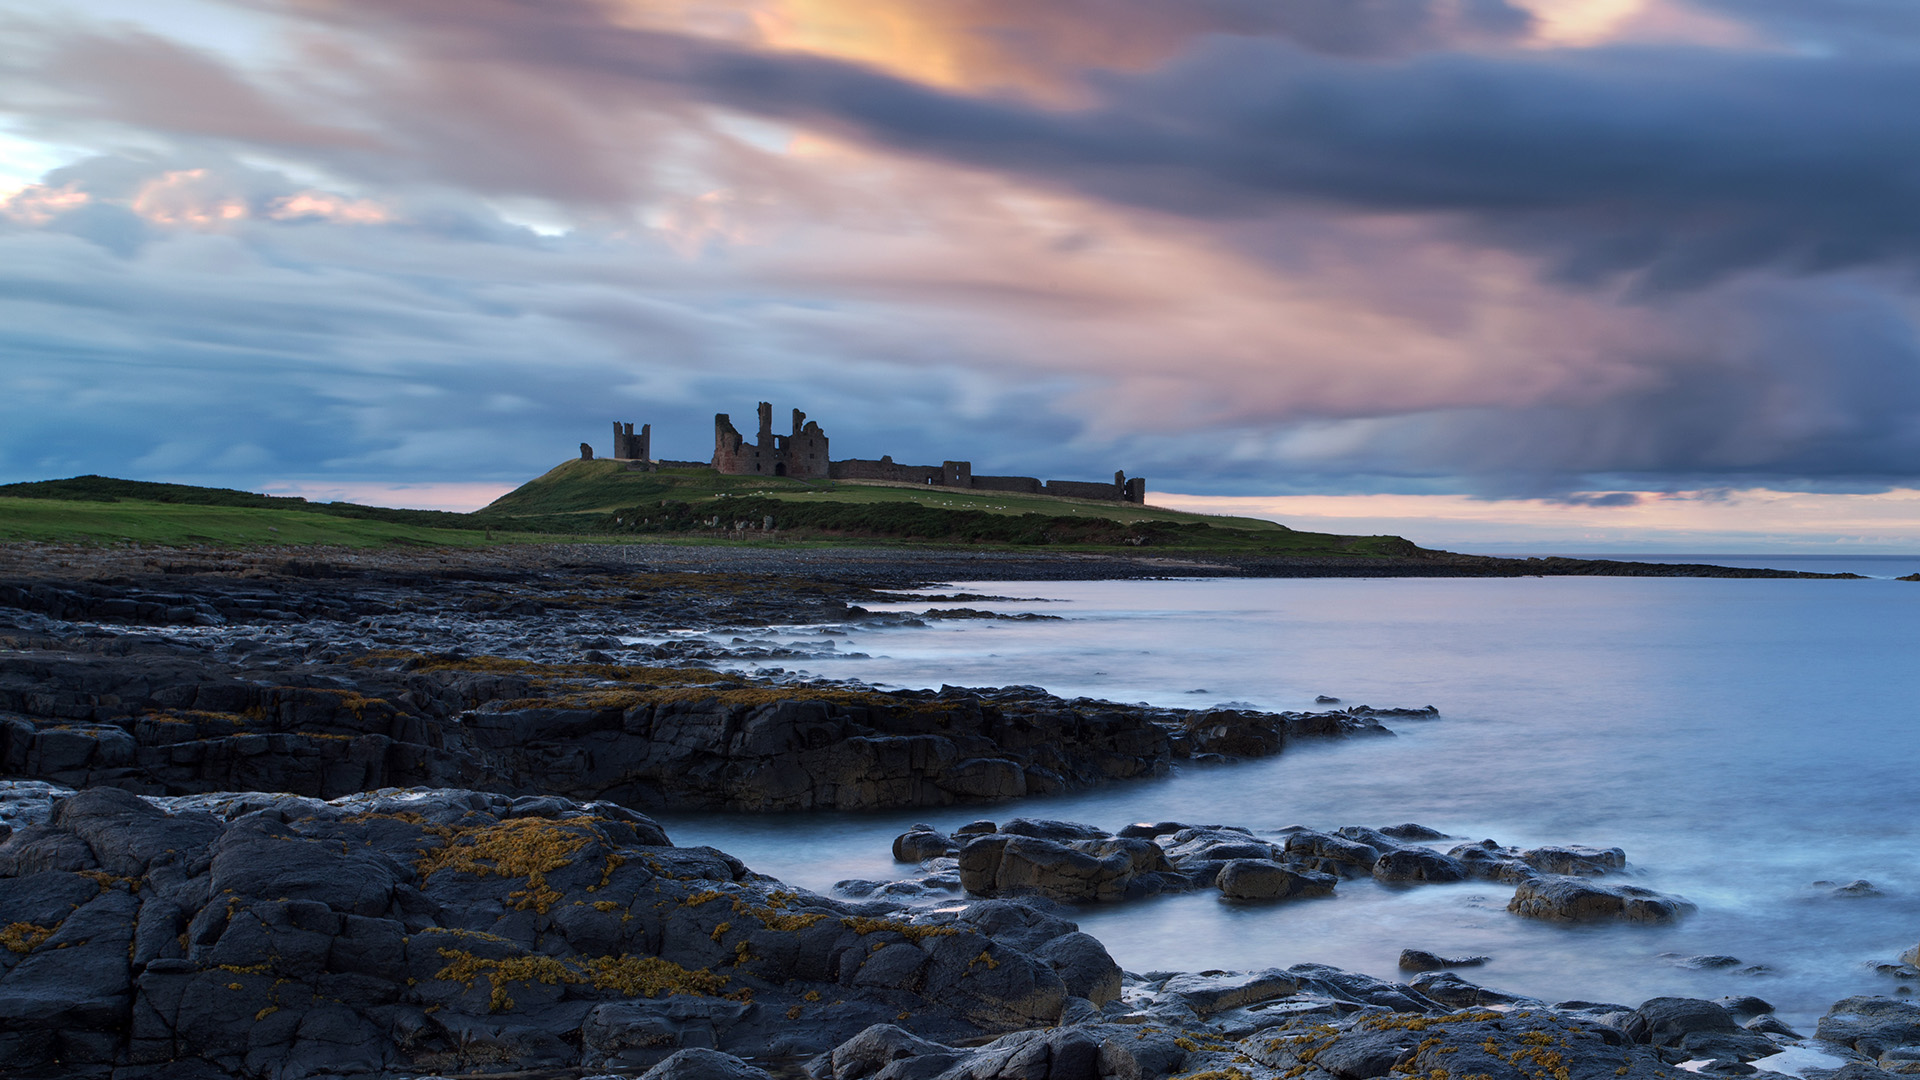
801 455
630 447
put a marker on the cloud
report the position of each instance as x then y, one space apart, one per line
1600 498
1391 246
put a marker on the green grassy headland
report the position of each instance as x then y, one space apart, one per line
604 502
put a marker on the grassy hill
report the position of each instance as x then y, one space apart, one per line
604 502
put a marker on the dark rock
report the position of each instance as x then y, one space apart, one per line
1411 865
1059 831
1571 899
1745 1005
1667 1021
407 932
1141 1055
1871 1025
1364 989
1421 960
922 842
1207 993
1334 849
1509 1046
1412 831
1574 860
1149 831
704 1065
1084 966
1264 879
881 1046
1450 989
1704 963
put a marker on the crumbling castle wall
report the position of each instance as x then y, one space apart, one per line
885 469
801 454
1025 485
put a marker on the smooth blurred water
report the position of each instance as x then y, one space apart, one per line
1741 739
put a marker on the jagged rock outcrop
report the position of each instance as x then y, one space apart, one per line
160 717
272 935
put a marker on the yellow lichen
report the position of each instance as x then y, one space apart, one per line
107 881
529 848
864 926
633 976
24 937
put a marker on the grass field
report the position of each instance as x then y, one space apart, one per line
175 525
600 487
601 501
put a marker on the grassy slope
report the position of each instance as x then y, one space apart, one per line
175 524
600 487
589 495
585 500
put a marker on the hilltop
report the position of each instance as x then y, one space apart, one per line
602 501
900 530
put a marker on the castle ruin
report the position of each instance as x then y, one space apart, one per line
630 447
802 455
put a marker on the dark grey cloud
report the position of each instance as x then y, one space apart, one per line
1678 166
1671 167
1761 205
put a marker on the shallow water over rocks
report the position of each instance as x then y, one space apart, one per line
1749 744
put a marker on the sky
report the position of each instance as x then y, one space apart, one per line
1535 274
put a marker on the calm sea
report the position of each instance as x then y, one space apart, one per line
1741 739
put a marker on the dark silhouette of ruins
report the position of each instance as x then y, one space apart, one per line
802 455
630 447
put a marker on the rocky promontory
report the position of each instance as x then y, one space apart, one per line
324 680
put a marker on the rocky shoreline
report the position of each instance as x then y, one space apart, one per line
384 815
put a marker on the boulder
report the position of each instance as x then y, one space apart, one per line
1217 991
1421 960
1264 879
1416 865
1702 1029
1575 860
704 1065
1871 1024
1521 1045
922 842
1411 832
1572 899
1450 989
1046 829
1334 849
1084 965
879 1047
